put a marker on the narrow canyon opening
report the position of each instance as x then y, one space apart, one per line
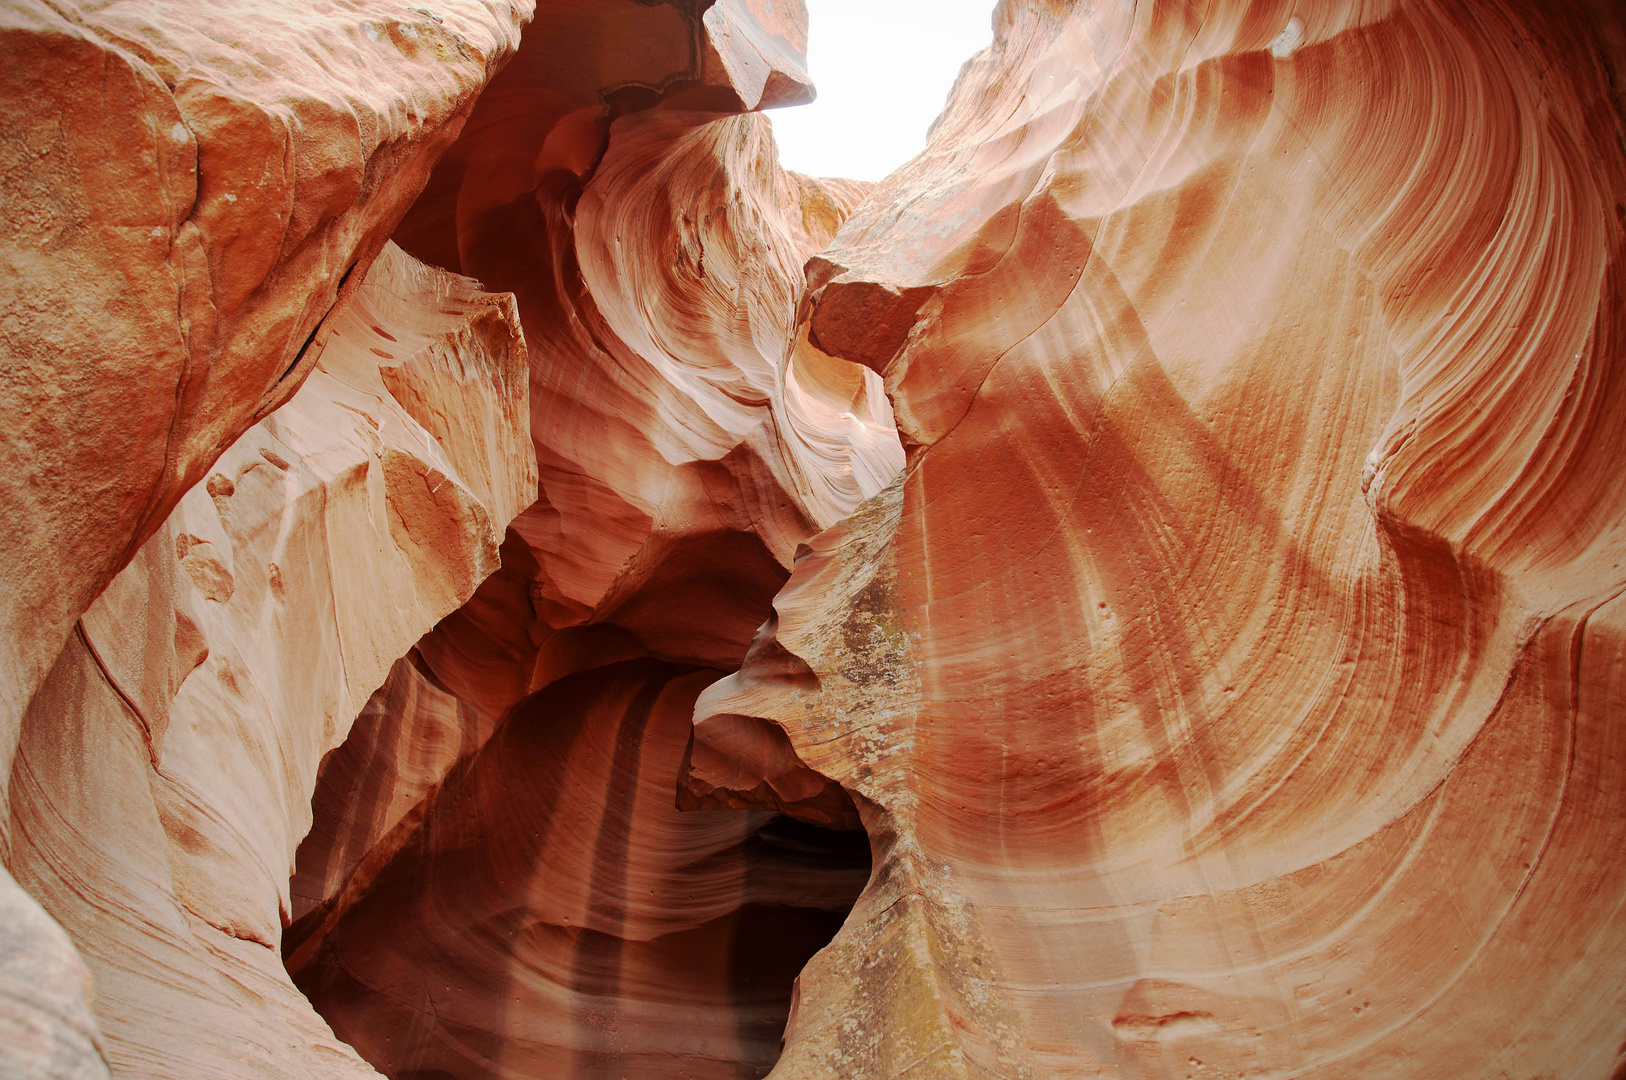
498 880
477 513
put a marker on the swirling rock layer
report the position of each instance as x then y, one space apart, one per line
553 913
655 248
688 439
1178 517
1230 685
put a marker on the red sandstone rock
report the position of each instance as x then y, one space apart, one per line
187 189
1230 687
550 912
687 444
656 251
1227 686
166 765
729 452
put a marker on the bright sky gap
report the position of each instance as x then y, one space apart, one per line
883 69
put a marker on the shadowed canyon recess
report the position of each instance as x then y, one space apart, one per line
506 581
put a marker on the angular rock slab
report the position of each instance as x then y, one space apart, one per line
189 187
166 766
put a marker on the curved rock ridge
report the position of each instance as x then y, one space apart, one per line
550 912
688 439
685 447
188 189
166 766
1229 686
1137 593
656 248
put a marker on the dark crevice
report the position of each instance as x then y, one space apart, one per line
550 912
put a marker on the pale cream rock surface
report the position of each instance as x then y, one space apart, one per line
167 764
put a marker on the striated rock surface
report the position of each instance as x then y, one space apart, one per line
187 188
166 766
1231 686
554 914
1177 518
687 441
655 248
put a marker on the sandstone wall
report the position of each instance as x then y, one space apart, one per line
687 441
1231 685
609 180
1177 518
188 189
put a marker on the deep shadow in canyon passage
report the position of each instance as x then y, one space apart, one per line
548 911
501 885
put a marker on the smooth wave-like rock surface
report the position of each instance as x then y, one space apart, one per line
655 247
187 192
1137 593
1232 685
166 766
687 442
552 913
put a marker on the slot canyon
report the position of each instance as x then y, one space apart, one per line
504 580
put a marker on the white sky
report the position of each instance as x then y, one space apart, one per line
883 69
